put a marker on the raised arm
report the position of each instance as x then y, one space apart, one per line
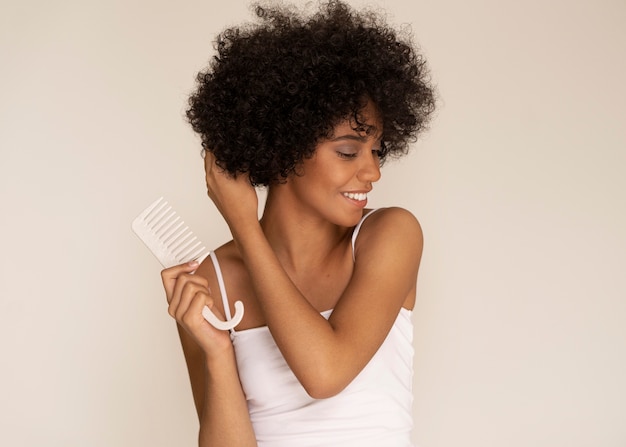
325 355
219 399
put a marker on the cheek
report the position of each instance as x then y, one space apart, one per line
326 174
341 176
331 182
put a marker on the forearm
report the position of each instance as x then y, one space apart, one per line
210 358
224 421
326 355
296 326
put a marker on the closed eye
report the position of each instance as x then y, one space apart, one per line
346 155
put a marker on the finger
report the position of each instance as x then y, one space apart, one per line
181 281
209 164
209 161
190 290
193 315
170 275
213 169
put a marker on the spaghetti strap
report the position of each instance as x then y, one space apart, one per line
356 230
220 282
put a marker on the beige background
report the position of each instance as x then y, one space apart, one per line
520 320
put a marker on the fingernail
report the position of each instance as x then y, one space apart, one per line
193 263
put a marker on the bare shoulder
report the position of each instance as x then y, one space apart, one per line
207 268
236 282
394 216
229 258
394 227
387 254
226 261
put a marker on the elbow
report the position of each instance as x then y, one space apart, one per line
322 391
323 385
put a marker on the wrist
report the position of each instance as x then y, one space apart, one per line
220 358
244 231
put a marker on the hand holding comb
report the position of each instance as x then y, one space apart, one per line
173 243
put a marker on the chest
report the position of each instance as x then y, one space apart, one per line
322 286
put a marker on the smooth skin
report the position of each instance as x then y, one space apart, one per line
287 268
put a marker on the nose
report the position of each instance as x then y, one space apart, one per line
369 171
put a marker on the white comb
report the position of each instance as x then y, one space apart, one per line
173 243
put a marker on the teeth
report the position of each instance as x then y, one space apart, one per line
355 196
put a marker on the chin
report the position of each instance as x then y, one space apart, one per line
350 219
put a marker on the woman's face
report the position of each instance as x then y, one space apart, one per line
336 180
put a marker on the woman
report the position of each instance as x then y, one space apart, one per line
308 106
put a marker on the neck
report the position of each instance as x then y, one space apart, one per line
300 237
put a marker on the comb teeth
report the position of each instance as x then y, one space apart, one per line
166 235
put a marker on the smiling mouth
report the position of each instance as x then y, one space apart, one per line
360 196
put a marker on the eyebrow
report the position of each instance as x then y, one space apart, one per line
358 138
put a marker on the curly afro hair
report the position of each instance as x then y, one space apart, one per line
280 85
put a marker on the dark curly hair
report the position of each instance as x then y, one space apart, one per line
279 86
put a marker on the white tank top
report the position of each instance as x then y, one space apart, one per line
374 410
